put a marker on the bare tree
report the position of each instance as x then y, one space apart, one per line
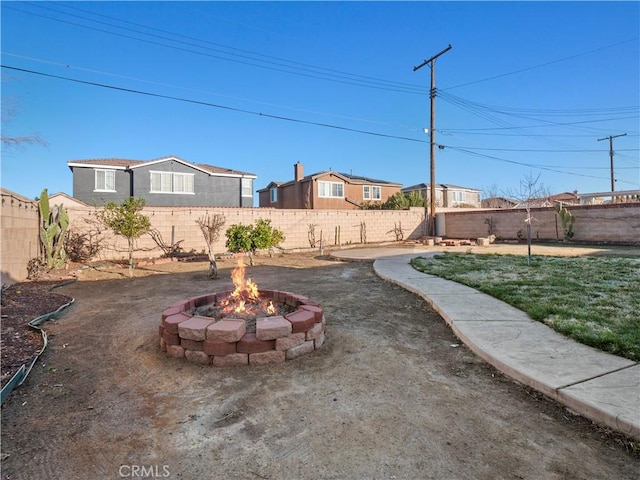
529 194
211 226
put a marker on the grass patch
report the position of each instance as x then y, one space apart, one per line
593 300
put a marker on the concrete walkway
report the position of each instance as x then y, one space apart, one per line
602 387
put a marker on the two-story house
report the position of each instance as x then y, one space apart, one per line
325 190
448 195
166 181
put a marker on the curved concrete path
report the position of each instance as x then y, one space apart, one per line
602 387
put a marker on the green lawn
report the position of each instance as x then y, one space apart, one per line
594 300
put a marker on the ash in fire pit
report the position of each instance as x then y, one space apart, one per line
243 326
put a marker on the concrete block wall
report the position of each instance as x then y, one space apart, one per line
615 223
18 236
335 227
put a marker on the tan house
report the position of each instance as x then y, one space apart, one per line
325 190
448 195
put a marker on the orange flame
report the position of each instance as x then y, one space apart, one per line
245 298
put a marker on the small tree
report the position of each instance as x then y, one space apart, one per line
249 238
211 227
127 221
528 194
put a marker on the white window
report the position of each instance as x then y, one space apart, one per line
274 194
459 196
169 182
330 190
371 192
105 180
247 187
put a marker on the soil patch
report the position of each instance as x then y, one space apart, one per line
392 394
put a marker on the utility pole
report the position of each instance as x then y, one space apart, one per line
432 137
611 137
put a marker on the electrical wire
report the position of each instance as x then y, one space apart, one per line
241 59
208 104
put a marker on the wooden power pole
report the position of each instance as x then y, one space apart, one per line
432 137
611 137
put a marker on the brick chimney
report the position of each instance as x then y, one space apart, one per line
298 170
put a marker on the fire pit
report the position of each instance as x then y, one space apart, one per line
246 326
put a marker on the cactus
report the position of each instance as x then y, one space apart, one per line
54 223
567 219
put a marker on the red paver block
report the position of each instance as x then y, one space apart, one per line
298 299
269 294
290 341
303 349
318 342
301 320
195 328
223 295
227 330
308 301
194 345
204 300
197 357
171 338
181 305
172 311
175 351
231 359
283 296
171 322
163 345
317 311
315 331
218 347
161 329
250 344
267 358
270 328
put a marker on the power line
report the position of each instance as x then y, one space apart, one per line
242 59
550 169
163 84
214 105
551 62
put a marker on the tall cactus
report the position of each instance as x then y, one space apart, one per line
567 219
54 223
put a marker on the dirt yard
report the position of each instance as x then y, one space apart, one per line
392 394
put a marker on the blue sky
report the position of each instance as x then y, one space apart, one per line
528 88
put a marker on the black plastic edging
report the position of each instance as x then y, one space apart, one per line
21 375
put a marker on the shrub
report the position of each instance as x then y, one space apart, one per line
249 238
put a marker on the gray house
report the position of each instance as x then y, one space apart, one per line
168 181
448 195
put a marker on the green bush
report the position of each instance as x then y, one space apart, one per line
249 238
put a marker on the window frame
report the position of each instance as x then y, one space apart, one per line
459 196
322 183
273 194
369 193
104 171
170 179
246 191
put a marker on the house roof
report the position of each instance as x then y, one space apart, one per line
448 186
126 164
353 179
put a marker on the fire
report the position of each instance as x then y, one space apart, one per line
245 298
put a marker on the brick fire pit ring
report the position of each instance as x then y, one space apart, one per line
225 342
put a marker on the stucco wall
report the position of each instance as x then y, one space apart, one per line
615 223
618 223
335 227
18 236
